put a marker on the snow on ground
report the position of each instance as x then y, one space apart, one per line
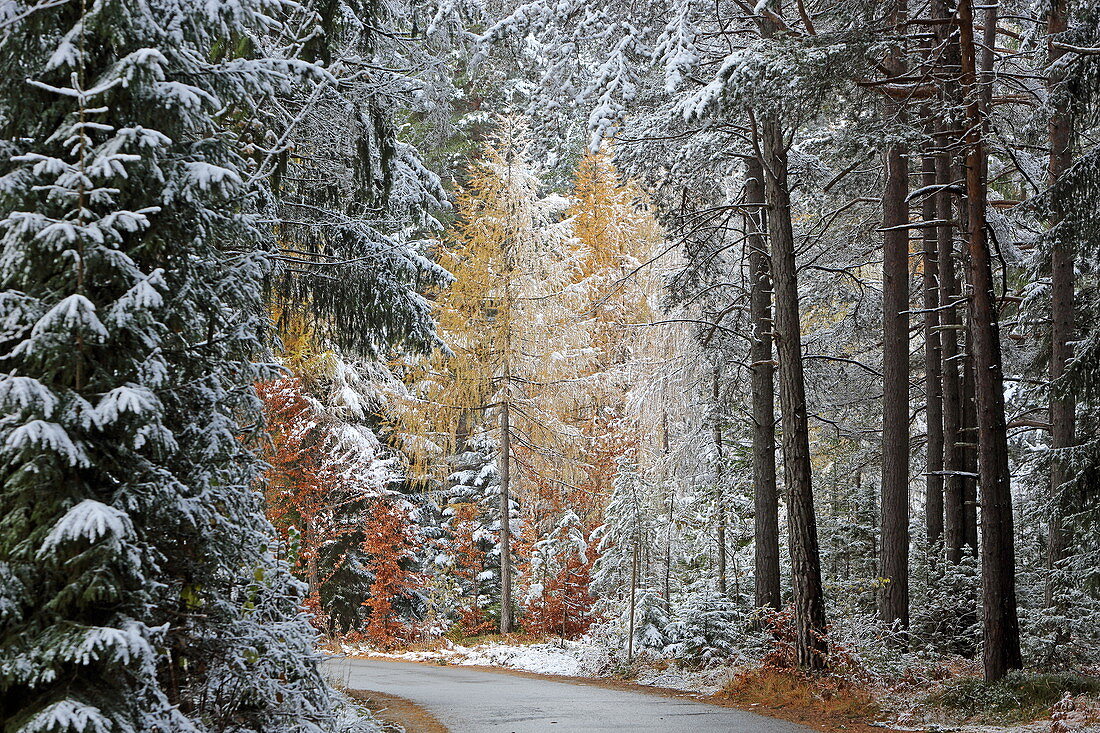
564 658
542 658
555 658
1080 714
706 681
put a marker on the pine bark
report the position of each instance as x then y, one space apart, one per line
1001 635
951 324
950 295
969 436
1062 405
895 445
968 416
933 352
809 605
762 371
895 367
968 413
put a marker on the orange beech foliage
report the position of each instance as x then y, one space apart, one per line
560 568
563 604
564 608
294 482
312 486
391 543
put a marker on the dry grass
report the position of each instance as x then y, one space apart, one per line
825 701
397 713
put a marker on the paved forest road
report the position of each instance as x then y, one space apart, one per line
474 700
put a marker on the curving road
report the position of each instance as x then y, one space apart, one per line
475 700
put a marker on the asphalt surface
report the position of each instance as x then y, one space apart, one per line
474 700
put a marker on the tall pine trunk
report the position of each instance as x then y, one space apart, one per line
968 413
933 352
1062 405
762 369
950 293
895 367
969 434
1001 634
633 597
951 326
809 604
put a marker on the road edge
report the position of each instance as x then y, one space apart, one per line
412 717
631 686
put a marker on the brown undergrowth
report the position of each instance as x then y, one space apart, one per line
824 702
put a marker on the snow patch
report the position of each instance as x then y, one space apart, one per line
90 520
69 715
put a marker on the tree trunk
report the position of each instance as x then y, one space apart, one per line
312 543
895 368
950 294
505 520
506 432
968 415
762 368
969 438
933 353
809 606
718 478
1001 634
951 325
1062 404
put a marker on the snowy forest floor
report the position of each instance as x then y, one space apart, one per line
953 701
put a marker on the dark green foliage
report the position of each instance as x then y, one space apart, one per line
140 590
354 200
1020 696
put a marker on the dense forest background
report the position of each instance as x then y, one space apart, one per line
702 331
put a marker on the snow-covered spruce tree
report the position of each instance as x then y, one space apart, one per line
628 543
139 587
708 626
469 548
650 621
1065 627
628 534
